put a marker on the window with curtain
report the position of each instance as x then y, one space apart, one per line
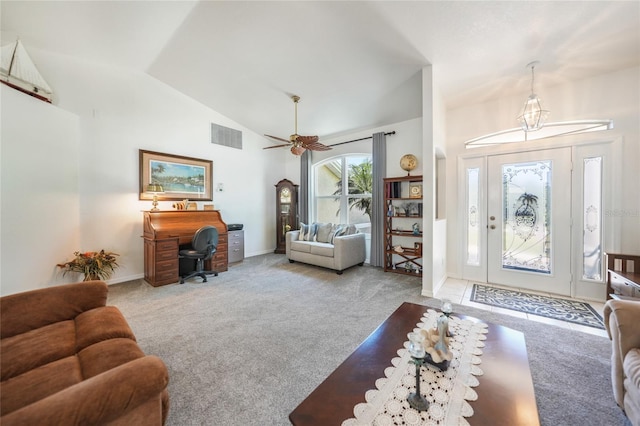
342 191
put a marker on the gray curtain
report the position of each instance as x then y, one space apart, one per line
303 196
378 209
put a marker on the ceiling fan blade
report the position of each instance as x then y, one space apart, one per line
317 147
311 142
278 139
307 139
276 146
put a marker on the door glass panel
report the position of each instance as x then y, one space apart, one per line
592 235
473 227
526 231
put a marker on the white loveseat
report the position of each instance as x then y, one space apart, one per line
337 252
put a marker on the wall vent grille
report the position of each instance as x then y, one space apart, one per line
226 136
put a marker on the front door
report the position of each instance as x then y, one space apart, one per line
529 220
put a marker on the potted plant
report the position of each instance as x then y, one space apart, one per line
94 265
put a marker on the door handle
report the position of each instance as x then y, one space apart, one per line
492 218
492 227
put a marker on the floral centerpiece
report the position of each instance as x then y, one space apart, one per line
94 265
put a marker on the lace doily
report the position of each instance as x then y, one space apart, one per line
447 391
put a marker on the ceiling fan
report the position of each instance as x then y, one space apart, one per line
298 142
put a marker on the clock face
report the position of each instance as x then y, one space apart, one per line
285 195
408 162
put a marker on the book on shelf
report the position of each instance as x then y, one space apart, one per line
394 190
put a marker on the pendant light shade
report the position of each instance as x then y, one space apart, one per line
297 150
533 114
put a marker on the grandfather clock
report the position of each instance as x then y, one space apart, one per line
286 212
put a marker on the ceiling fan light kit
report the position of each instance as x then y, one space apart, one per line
299 143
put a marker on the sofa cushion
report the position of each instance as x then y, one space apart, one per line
631 368
301 246
36 348
321 249
39 383
108 354
101 324
307 232
30 310
323 234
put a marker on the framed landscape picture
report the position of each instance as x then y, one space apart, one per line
180 177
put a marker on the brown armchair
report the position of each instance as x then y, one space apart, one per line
67 359
622 320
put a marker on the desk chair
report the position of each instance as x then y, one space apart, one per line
204 244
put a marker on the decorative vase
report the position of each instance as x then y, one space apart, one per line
91 277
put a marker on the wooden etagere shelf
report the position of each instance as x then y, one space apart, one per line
403 225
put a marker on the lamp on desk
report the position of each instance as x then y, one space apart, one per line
155 189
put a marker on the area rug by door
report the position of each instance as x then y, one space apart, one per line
550 307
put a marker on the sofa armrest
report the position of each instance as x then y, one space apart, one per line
349 250
621 321
290 236
100 399
33 309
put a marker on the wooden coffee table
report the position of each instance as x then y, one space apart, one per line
505 393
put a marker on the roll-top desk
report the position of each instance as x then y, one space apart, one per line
166 231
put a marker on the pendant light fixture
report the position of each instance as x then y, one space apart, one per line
533 124
533 114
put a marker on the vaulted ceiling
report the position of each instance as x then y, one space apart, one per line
355 64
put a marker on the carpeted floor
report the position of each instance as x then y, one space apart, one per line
550 307
248 346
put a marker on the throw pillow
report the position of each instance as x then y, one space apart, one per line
337 231
351 229
307 232
323 233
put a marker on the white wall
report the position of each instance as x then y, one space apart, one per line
611 96
405 141
39 190
439 153
120 112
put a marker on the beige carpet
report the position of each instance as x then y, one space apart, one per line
248 346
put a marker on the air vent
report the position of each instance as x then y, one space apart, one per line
226 136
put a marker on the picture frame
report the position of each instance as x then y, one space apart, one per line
180 177
415 190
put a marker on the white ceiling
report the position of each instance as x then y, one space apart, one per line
355 64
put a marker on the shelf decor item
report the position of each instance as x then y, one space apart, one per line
415 190
154 189
93 264
418 353
408 162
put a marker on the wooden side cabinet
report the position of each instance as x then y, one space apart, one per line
286 212
623 276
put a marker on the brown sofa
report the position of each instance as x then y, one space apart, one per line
622 320
68 359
